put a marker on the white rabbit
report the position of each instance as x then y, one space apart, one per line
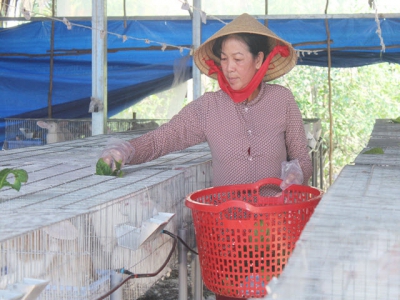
54 254
54 133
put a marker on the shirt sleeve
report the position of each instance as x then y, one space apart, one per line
296 140
184 130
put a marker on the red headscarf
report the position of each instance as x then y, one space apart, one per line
240 95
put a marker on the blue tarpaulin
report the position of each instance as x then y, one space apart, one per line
138 66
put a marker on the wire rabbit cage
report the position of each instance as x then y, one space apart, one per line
21 133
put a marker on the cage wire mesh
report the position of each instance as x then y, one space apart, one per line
60 253
61 225
78 255
20 133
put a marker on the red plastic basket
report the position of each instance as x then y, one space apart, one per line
245 239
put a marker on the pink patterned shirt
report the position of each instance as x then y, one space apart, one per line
248 142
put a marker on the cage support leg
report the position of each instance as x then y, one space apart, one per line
182 266
198 281
116 278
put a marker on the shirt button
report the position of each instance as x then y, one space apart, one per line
246 109
250 158
249 131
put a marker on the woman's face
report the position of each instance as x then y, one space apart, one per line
238 63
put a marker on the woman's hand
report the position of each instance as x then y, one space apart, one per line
117 152
291 174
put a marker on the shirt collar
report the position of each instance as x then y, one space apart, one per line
256 99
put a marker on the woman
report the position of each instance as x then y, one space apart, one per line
252 128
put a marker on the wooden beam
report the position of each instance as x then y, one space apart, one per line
226 17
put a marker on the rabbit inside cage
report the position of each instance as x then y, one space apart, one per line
20 133
58 253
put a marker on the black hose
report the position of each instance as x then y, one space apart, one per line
132 275
181 240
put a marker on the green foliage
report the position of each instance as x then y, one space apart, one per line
158 106
20 176
359 97
152 107
376 150
397 120
102 168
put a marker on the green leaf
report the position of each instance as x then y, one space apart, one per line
19 177
102 168
397 120
374 151
118 165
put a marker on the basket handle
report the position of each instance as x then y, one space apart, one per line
245 206
317 194
277 181
267 181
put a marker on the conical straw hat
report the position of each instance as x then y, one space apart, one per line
247 24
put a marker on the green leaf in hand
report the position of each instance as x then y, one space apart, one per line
117 172
102 168
19 177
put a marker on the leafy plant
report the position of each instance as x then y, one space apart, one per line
20 176
102 168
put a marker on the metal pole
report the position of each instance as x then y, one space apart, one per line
50 92
182 266
198 281
99 65
196 39
196 24
116 278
